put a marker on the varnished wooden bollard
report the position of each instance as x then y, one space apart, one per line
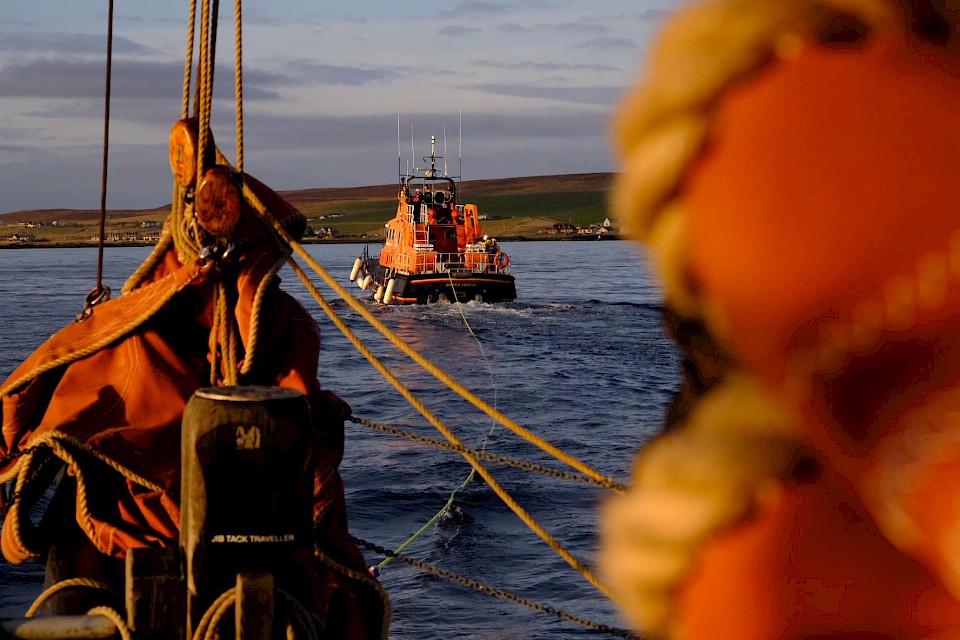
246 501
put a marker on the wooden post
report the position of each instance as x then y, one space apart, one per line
246 503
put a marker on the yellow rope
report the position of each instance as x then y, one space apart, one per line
188 64
397 341
107 336
71 583
23 466
205 82
256 314
532 524
213 614
56 443
156 255
238 80
113 616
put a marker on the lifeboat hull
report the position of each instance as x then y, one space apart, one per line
426 288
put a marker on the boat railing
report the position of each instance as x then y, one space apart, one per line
433 262
471 262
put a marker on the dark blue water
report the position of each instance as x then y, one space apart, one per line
580 359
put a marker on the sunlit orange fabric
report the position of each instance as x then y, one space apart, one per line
811 564
830 184
828 175
126 400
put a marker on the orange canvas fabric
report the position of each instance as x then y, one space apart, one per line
118 383
823 239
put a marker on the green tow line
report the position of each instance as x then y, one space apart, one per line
377 568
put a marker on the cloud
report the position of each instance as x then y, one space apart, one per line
72 43
306 151
513 28
62 78
307 71
456 31
605 44
580 27
544 66
477 8
655 14
578 95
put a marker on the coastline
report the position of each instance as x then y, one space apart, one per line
305 241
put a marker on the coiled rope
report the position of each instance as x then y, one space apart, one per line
103 611
299 623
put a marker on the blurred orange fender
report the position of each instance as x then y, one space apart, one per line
823 239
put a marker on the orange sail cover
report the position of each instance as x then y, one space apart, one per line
111 390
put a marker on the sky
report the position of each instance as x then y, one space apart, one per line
509 88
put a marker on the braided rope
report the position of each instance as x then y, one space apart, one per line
431 368
71 583
188 64
155 257
214 613
107 335
494 591
56 442
415 402
492 457
113 616
207 50
253 334
13 514
238 80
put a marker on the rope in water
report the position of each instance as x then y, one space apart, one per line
453 494
414 355
496 592
525 517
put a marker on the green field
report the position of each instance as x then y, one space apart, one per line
514 207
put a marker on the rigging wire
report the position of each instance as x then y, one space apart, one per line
100 293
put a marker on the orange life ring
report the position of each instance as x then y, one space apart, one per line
501 260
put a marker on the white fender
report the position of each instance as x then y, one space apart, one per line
378 296
366 282
388 294
356 269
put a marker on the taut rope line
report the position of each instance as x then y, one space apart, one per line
449 435
412 353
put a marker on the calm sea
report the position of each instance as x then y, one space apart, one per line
580 358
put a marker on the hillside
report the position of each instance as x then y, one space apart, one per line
515 207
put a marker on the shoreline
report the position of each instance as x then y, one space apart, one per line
305 241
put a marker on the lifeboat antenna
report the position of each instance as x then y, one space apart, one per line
460 152
399 161
432 172
413 153
445 150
